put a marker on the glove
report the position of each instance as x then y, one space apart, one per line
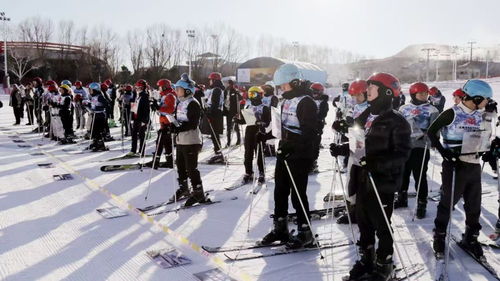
45 108
261 136
339 149
349 120
491 106
339 114
340 126
449 156
285 150
487 156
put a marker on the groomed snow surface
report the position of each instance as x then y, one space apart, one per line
50 230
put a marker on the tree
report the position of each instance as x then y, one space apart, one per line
20 63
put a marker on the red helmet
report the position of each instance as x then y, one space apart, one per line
164 83
52 88
318 87
459 93
141 83
215 76
38 80
78 83
418 87
108 82
104 87
358 87
50 82
386 80
128 88
433 91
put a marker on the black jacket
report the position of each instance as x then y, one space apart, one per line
387 146
143 109
302 145
234 100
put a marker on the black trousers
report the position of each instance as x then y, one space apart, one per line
283 186
317 141
99 121
371 221
112 109
252 147
230 126
38 114
125 119
29 112
468 185
138 132
165 142
414 165
187 164
18 114
67 121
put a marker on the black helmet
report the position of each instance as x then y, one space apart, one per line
345 86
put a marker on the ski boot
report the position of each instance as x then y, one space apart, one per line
131 154
314 168
384 269
278 233
421 210
363 268
469 241
261 179
439 243
99 146
247 178
153 163
344 219
303 239
216 159
198 196
108 138
169 164
182 192
401 200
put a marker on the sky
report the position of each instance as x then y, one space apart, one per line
375 28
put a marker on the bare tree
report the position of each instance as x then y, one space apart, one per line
20 63
37 30
104 47
136 49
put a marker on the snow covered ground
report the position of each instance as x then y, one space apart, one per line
50 230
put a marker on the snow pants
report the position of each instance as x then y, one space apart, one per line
468 185
98 123
414 165
165 142
187 163
283 186
252 147
80 116
67 122
230 126
138 132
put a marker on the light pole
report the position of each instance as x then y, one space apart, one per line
428 50
471 43
487 63
6 75
215 37
295 45
190 33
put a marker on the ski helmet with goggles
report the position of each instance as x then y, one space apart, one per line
286 73
345 87
254 92
95 86
476 87
66 82
419 87
358 87
186 83
388 83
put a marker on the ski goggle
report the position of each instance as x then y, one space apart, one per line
253 95
477 100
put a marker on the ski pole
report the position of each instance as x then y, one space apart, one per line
448 234
252 195
121 127
302 206
388 223
215 138
91 128
142 150
153 164
419 184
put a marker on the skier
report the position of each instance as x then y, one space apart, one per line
112 96
294 158
37 98
457 125
15 103
110 122
386 148
29 101
490 114
269 100
188 141
97 105
458 96
262 115
344 104
321 100
232 99
357 89
199 93
79 96
140 115
46 97
65 107
214 103
124 101
166 109
437 99
420 114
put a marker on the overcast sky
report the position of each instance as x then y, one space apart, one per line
377 28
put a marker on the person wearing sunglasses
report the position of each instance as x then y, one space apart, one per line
459 125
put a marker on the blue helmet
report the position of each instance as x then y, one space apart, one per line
185 83
476 87
66 82
286 73
95 86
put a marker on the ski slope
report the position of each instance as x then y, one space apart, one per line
50 230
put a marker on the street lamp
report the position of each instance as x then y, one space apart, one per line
295 45
190 33
5 20
215 37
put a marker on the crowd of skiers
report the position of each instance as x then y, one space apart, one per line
379 139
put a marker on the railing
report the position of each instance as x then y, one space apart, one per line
47 46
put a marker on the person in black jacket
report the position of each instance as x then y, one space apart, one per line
65 107
232 98
37 99
125 99
97 106
140 117
214 106
294 158
321 100
387 147
269 100
15 103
